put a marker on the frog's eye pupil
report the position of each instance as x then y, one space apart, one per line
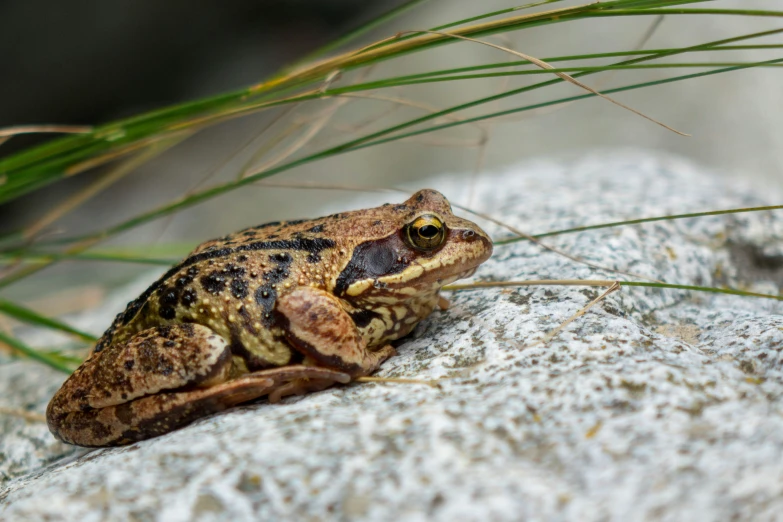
428 231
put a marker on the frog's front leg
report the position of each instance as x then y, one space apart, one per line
319 327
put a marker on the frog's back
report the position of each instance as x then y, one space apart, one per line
230 285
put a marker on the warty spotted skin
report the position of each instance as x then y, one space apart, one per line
279 309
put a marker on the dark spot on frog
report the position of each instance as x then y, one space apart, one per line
124 413
189 297
317 229
104 341
168 313
420 198
234 270
186 279
99 430
169 296
400 208
129 364
187 330
247 320
167 370
242 258
266 295
239 288
213 283
266 225
281 257
376 223
169 344
362 318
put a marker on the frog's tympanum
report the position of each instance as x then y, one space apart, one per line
275 310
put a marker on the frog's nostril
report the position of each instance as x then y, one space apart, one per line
468 234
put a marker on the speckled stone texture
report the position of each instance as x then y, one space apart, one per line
656 405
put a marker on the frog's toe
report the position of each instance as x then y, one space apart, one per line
300 387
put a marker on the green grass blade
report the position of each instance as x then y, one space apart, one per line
40 257
642 220
43 357
26 315
33 168
708 46
545 104
709 289
65 359
605 283
484 16
409 79
578 69
356 33
363 143
689 11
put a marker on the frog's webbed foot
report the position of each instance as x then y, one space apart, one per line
165 412
277 383
304 385
296 380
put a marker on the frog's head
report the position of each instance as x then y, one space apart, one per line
411 249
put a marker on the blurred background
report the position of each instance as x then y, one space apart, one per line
93 62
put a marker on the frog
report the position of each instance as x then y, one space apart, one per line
285 308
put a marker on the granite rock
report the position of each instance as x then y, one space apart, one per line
656 404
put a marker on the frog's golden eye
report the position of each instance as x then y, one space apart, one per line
426 232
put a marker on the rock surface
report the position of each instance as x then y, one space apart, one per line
656 404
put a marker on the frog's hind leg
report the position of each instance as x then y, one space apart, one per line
92 408
157 381
159 414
